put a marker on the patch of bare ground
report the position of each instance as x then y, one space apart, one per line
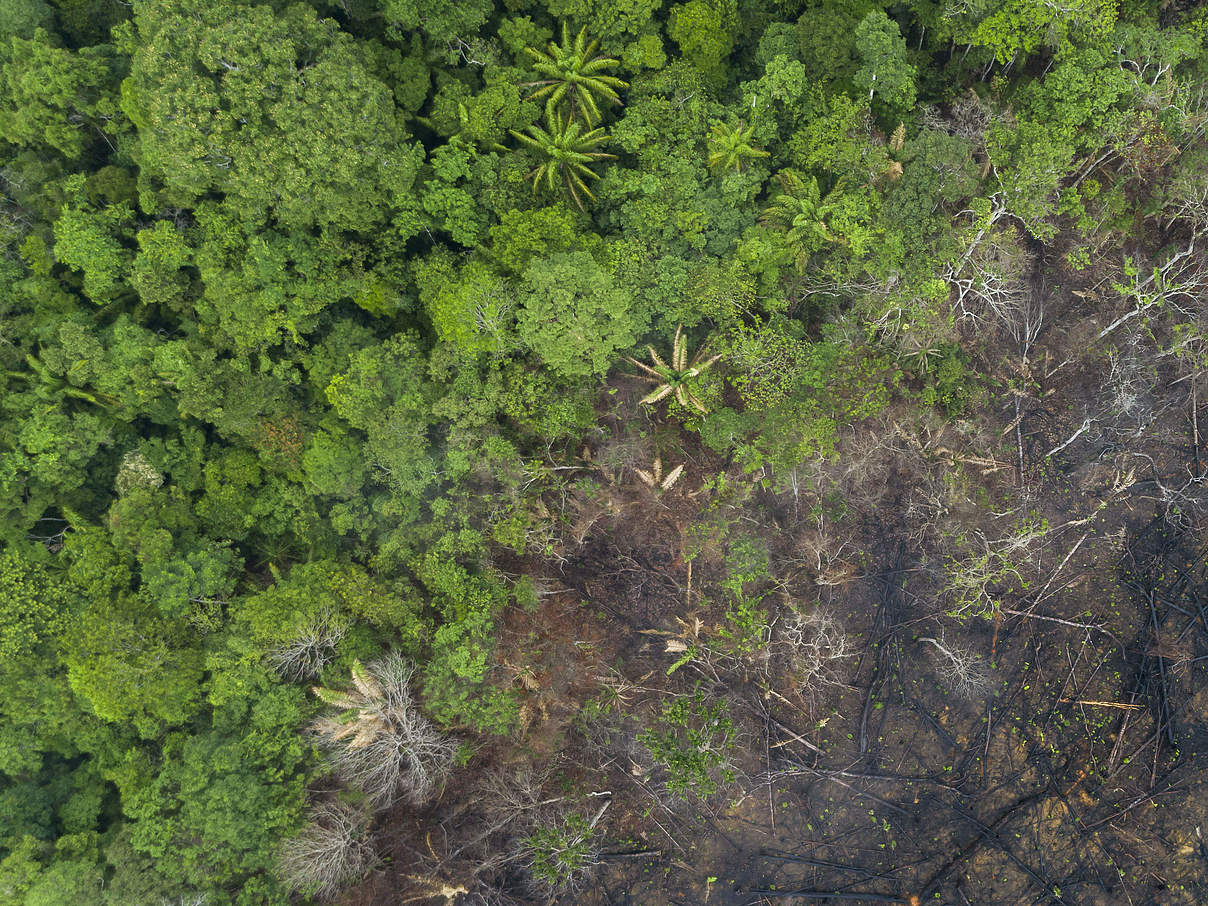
1047 744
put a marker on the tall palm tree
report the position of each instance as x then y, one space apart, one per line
801 212
566 150
573 74
730 148
675 378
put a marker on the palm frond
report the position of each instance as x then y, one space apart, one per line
672 477
365 682
658 394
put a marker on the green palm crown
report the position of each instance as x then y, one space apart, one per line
566 150
573 74
730 147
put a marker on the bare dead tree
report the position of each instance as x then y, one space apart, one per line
332 851
815 643
976 578
964 673
381 743
991 287
1176 283
1187 201
305 656
1129 397
971 118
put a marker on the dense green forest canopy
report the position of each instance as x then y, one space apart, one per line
322 322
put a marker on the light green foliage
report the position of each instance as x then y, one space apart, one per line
955 385
157 272
551 409
521 32
780 100
645 52
487 116
746 631
20 18
384 394
34 607
669 206
521 236
937 173
1086 99
722 291
333 464
457 687
811 223
836 142
220 799
281 612
803 417
704 31
474 310
263 287
441 20
573 315
132 666
692 743
766 363
885 71
559 853
451 206
37 873
1023 26
607 18
90 240
45 450
1033 162
204 70
51 96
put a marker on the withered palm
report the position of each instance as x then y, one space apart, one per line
675 378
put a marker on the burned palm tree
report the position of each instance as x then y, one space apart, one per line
676 377
656 479
378 740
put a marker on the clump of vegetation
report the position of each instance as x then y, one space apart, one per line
692 744
561 854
